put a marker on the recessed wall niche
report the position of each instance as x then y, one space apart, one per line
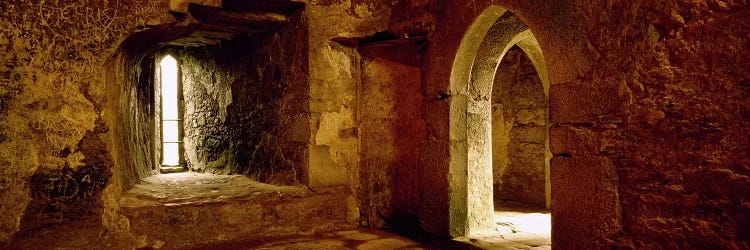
242 87
237 97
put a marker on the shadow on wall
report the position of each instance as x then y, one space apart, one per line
391 131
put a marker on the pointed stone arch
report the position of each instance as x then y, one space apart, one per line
482 48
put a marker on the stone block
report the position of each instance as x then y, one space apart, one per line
584 202
581 103
574 141
437 118
530 134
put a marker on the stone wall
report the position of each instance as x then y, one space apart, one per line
245 106
391 130
54 127
364 123
206 89
133 111
648 102
671 122
334 79
649 123
519 132
76 85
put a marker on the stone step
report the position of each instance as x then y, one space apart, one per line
183 209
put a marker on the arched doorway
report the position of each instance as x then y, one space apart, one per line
483 47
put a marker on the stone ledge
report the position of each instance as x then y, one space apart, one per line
189 208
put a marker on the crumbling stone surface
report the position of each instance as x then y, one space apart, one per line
518 131
334 76
72 192
132 144
412 17
53 91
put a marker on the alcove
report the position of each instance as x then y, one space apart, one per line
243 127
239 72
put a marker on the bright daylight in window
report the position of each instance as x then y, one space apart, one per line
169 112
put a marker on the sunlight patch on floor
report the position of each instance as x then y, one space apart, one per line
519 226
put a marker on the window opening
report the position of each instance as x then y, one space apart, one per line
171 136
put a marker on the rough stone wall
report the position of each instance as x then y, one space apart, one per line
334 82
133 112
648 98
342 141
207 93
244 106
391 130
649 113
280 67
53 123
675 125
81 41
518 130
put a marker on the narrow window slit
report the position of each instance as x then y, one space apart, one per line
171 138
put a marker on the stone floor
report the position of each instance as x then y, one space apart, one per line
198 204
519 226
360 239
367 238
